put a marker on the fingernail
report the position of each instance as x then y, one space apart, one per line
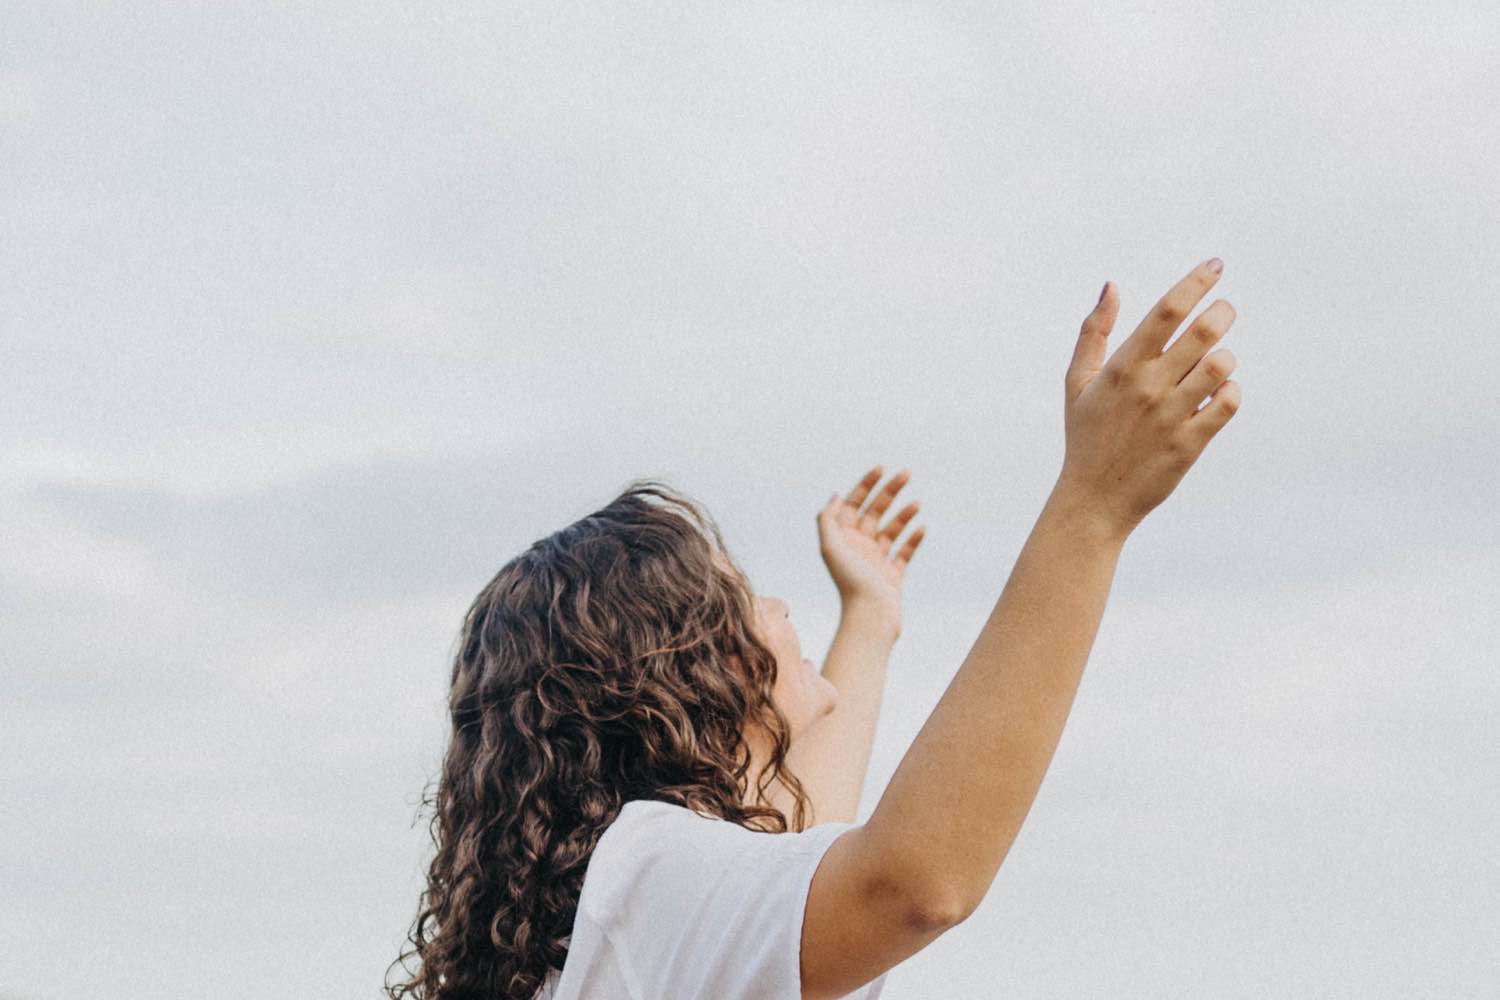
1215 265
1101 292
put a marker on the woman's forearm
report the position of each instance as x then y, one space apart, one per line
832 757
956 802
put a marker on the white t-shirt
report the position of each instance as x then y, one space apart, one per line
679 906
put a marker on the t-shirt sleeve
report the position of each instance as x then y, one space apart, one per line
699 907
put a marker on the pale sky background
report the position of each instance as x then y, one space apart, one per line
314 315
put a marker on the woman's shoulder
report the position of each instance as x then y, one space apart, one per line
647 842
656 847
654 813
641 823
701 906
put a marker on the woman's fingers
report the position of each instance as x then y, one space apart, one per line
1208 421
1203 333
1206 376
1146 343
1089 350
897 524
862 488
903 557
883 499
869 519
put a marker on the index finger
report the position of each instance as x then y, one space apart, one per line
1151 336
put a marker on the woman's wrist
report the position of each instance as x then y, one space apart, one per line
871 616
1084 516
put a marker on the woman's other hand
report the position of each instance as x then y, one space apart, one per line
856 548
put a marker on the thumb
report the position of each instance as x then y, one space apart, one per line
827 510
1093 337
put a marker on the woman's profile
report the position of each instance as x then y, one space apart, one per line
642 795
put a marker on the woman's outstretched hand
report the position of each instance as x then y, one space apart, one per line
1133 424
856 548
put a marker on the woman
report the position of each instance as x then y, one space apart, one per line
620 813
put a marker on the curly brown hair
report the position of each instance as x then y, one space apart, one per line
615 659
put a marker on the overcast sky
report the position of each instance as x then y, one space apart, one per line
313 316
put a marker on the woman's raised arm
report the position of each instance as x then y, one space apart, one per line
956 802
952 810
